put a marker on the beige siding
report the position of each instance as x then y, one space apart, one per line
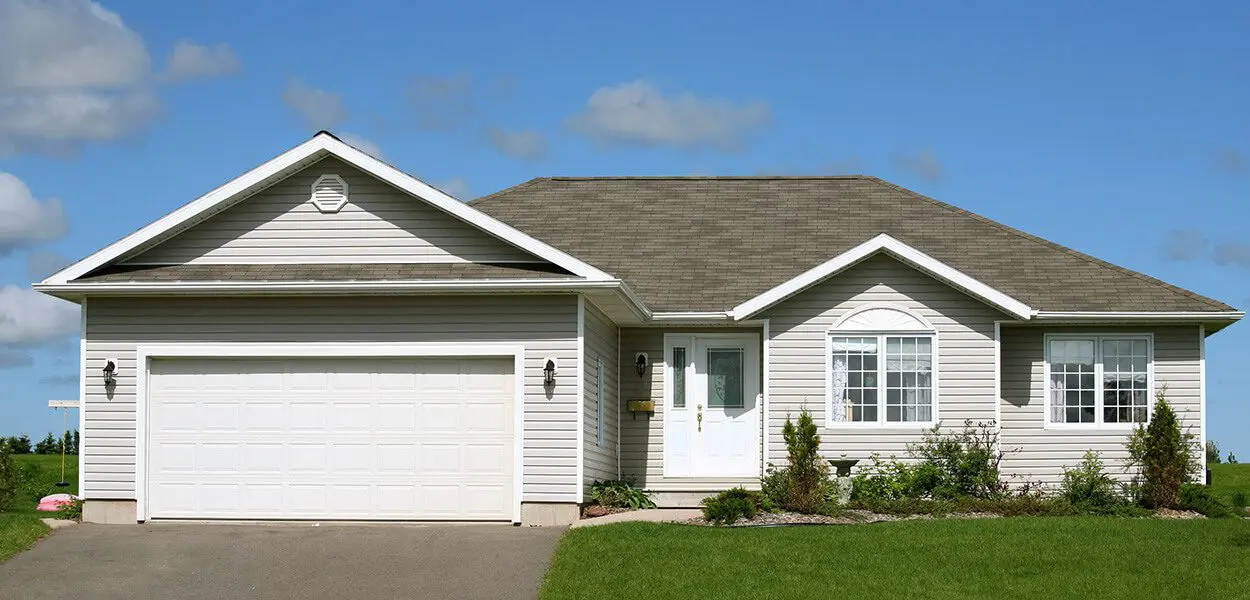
1037 454
379 224
798 328
642 436
545 325
600 344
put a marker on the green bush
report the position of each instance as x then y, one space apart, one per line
775 485
962 464
11 480
1166 456
1088 486
727 507
807 474
620 493
1198 498
1239 500
71 511
1213 452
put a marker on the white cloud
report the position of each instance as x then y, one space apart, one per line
1232 253
42 263
318 108
441 103
639 114
1184 245
923 164
362 144
527 145
455 187
189 60
29 318
24 220
72 72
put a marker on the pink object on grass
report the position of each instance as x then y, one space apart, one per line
54 502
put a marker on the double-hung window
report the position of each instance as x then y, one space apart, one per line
1094 380
881 379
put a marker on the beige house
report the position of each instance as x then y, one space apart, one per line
326 337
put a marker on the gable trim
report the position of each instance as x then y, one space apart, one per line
897 249
318 147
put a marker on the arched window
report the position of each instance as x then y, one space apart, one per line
881 369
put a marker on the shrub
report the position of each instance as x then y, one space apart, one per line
620 493
730 505
10 480
883 481
1213 452
807 473
1198 498
71 511
1164 454
775 485
962 463
1088 486
1239 500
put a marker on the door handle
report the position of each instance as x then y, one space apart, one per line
699 417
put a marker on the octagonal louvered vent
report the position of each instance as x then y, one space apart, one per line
329 193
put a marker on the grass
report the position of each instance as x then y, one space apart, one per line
1226 479
20 527
1044 557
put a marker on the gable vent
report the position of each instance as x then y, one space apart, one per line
329 193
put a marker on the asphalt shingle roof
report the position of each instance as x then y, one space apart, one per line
710 243
327 272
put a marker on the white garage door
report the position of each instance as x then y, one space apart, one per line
331 438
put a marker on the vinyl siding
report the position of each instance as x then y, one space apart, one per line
545 325
642 436
1037 454
600 344
379 224
798 328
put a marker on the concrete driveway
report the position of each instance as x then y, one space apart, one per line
190 561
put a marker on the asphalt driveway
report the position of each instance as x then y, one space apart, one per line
190 561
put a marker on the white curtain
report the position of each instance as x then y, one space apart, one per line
838 414
1057 400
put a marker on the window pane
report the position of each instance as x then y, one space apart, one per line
909 380
854 379
1124 380
679 378
1072 381
724 378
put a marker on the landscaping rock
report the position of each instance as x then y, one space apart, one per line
1167 513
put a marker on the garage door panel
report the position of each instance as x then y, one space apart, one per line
331 438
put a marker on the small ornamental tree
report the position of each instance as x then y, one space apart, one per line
1166 456
1213 452
807 473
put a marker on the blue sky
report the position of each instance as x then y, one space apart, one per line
1118 129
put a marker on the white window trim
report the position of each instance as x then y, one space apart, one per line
1098 338
880 423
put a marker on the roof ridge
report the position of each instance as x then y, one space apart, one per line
507 190
701 177
1066 250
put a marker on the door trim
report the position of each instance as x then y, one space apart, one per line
751 339
145 353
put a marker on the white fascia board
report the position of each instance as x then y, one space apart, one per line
266 287
1234 315
701 317
883 243
320 145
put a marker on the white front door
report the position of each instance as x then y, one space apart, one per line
711 412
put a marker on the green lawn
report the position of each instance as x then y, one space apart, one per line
1046 557
21 527
1226 479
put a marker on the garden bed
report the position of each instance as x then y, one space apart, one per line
848 517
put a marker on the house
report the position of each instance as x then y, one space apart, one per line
326 337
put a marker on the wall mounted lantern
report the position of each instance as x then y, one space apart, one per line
640 363
110 373
549 372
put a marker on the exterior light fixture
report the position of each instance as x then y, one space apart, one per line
110 373
640 363
549 372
